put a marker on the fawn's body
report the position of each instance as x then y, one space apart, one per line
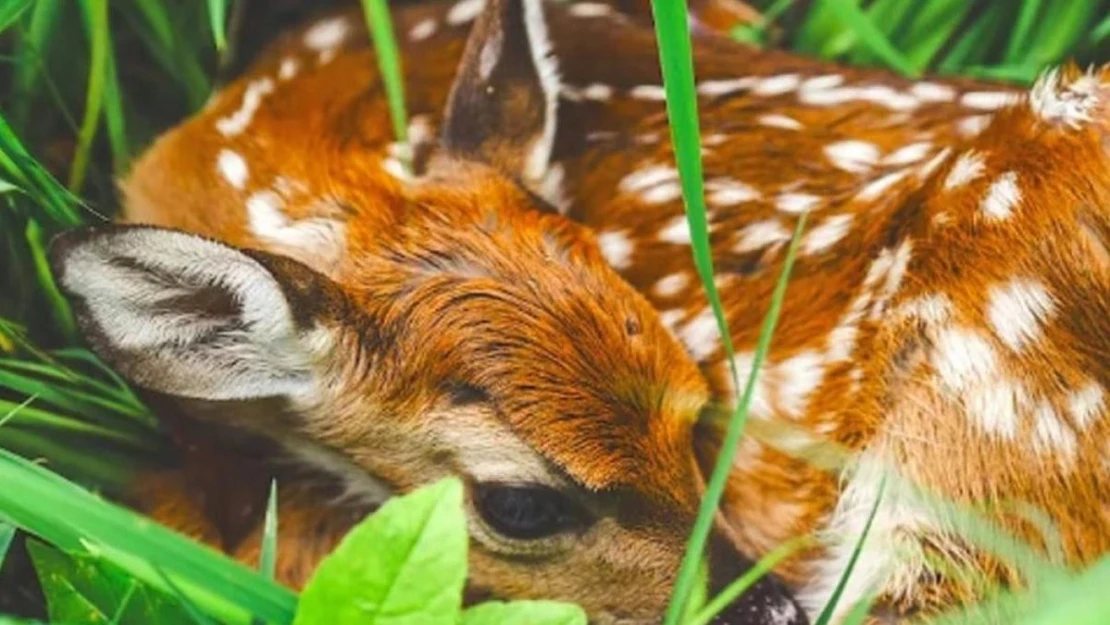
946 318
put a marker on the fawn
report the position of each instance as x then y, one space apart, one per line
521 308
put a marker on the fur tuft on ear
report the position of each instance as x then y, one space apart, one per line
187 316
502 106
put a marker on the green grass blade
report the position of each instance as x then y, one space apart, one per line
12 10
267 561
217 21
59 307
34 42
69 517
853 18
830 608
96 23
389 64
169 49
745 581
7 534
114 117
1100 32
1019 38
676 61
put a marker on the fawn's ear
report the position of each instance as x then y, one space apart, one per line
502 107
186 316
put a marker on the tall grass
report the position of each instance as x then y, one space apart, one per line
89 82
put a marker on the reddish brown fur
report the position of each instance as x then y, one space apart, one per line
333 127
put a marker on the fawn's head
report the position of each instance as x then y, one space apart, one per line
462 329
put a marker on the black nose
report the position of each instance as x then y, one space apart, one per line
767 602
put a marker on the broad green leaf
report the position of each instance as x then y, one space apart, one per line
64 602
11 10
530 612
404 565
104 590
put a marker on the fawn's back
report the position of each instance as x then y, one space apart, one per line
945 319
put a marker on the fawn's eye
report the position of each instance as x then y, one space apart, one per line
528 511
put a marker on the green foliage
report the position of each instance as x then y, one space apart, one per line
407 564
83 590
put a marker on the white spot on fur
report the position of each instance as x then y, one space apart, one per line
714 88
662 193
589 9
933 309
464 12
971 127
654 93
775 120
423 29
598 92
961 356
995 405
1017 311
761 234
826 81
671 319
876 188
646 178
796 203
909 154
1086 404
928 168
896 271
799 376
327 34
397 168
233 168
827 234
1002 197
1051 434
316 241
288 68
853 156
729 192
714 139
616 247
238 121
968 167
932 92
1069 104
671 285
677 231
988 100
700 335
601 135
776 85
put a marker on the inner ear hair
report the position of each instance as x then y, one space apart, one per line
501 109
188 316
